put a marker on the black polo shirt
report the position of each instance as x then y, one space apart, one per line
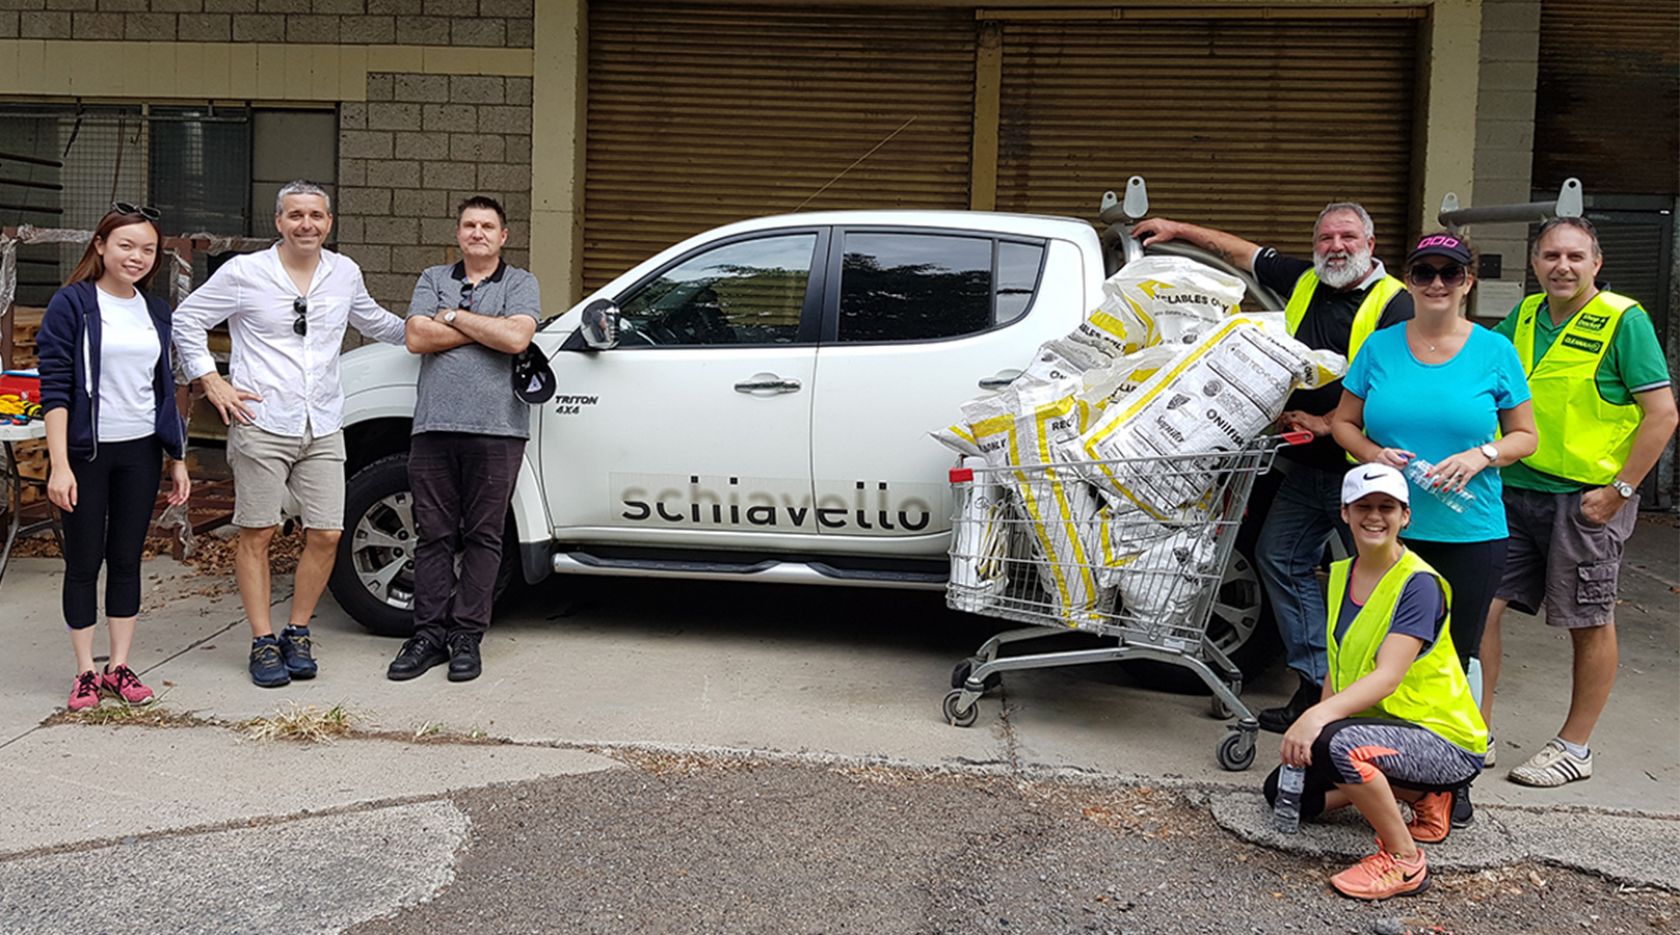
1327 325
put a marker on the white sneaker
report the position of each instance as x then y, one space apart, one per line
1492 752
1553 766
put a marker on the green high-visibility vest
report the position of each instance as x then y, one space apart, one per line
1364 320
1434 694
1583 436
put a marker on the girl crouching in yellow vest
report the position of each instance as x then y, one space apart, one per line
1396 720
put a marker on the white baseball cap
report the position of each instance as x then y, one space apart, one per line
1374 478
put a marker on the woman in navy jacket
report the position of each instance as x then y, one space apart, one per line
108 393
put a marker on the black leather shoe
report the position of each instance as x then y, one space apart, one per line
416 656
464 662
1277 720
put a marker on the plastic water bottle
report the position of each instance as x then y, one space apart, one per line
1286 810
1455 500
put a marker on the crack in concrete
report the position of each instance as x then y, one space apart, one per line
1011 741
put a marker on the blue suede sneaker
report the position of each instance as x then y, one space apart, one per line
268 666
298 651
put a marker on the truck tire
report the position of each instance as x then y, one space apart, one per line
373 578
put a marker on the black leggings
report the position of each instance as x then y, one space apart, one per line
115 493
1473 570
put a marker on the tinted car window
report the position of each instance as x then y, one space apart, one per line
747 292
919 287
914 287
1018 266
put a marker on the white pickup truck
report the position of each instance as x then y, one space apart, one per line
762 412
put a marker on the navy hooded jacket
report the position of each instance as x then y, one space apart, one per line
68 345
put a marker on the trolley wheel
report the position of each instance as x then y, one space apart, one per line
966 717
959 675
1219 710
1236 751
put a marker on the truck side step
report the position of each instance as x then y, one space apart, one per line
762 570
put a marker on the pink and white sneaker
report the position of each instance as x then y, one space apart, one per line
123 683
84 692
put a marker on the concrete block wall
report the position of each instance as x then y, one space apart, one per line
477 23
1510 54
409 154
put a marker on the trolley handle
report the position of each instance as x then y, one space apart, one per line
966 475
1297 437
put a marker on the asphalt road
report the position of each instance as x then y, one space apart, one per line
732 846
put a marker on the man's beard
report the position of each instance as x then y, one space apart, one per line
1349 273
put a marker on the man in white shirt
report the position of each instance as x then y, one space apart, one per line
286 309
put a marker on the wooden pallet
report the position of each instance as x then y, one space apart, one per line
32 462
25 323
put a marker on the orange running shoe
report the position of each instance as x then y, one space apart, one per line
1383 875
1431 818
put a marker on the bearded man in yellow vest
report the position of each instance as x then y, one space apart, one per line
1335 302
1604 410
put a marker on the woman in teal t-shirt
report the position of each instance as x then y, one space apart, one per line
1442 389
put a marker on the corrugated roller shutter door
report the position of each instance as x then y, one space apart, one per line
699 115
1247 125
1607 97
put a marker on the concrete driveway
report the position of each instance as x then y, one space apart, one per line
578 666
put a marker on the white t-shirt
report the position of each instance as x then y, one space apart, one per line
129 352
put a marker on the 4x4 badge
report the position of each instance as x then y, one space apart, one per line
572 405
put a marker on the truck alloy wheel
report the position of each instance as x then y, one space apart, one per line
382 550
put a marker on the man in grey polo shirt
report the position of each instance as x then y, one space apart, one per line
469 321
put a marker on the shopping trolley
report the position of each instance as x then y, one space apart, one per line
1131 550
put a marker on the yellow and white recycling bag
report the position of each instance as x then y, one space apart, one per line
1223 391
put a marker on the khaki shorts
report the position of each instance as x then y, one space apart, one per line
1558 560
267 467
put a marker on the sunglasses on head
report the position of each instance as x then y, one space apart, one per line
146 211
1422 274
300 308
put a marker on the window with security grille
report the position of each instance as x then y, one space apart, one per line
62 165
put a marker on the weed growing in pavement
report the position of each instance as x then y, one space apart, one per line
672 763
302 723
117 713
436 732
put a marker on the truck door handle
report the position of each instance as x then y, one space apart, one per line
767 383
999 380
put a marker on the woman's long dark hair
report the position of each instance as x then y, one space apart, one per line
92 267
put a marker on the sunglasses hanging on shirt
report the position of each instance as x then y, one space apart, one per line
1422 274
467 295
300 308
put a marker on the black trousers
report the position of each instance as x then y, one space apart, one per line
461 483
115 493
1474 570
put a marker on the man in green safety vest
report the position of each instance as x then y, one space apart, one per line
1604 410
1335 301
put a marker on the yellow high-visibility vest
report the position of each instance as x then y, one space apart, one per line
1364 320
1583 436
1435 693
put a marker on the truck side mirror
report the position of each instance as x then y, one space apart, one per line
600 325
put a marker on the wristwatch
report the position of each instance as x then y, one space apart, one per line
1623 487
449 317
1489 452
